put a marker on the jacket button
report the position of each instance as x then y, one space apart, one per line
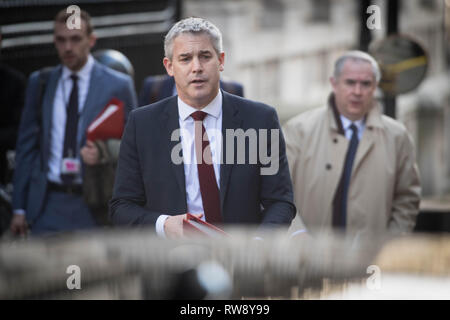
335 140
328 166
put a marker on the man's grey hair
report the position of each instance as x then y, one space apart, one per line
356 56
195 26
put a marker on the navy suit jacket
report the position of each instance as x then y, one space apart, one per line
149 184
33 144
156 88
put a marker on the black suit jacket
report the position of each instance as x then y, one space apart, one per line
149 184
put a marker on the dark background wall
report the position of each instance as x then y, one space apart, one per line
136 28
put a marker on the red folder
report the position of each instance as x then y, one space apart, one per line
109 124
195 226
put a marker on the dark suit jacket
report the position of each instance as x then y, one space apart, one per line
33 144
159 87
149 184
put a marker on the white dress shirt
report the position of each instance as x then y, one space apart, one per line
346 123
59 116
213 126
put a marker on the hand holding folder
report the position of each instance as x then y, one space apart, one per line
195 226
109 124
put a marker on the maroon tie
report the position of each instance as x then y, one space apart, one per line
206 176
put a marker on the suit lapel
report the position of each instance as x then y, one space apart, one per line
47 110
91 106
230 120
169 123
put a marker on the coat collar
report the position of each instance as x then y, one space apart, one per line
333 116
367 142
373 118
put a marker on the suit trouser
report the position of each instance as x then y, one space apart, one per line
63 212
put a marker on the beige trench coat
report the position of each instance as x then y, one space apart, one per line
384 191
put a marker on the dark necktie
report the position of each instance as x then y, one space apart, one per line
206 175
340 216
70 136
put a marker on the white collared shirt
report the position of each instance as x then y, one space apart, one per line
59 116
346 123
213 126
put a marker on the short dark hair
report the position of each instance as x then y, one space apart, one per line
62 17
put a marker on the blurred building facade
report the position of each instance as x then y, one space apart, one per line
283 52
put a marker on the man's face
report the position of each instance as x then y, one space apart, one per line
354 89
73 46
196 68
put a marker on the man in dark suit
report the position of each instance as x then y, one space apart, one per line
52 150
160 178
158 87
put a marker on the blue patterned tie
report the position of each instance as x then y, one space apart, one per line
350 157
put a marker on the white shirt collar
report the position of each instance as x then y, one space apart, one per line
214 108
83 73
346 123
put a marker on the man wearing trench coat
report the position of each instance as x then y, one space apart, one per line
383 189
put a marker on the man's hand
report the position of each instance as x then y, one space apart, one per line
19 225
173 226
90 153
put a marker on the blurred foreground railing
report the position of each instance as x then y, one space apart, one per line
135 264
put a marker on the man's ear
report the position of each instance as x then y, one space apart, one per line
222 61
168 65
92 39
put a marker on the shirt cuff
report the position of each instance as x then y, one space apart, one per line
19 211
160 225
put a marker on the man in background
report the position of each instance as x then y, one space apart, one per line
52 149
353 169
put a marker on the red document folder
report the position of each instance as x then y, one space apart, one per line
109 124
195 226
